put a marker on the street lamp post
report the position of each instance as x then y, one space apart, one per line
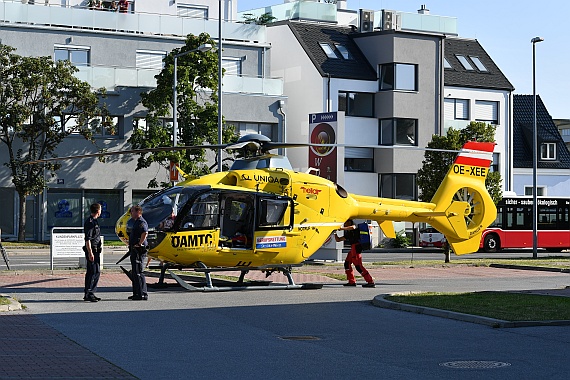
220 133
201 48
534 155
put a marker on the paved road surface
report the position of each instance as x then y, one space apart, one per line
332 333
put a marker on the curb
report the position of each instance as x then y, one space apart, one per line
14 305
527 267
381 301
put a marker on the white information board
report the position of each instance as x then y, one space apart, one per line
67 244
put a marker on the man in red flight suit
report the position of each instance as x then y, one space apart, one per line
352 235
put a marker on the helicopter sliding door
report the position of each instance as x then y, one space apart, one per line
237 220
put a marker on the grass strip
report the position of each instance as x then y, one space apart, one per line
499 305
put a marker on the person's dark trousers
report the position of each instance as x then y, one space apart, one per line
138 261
93 272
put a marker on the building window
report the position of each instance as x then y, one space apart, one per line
7 200
398 186
343 51
398 132
456 109
259 128
329 51
548 151
465 63
356 103
495 163
478 63
486 111
192 11
446 64
398 76
232 66
359 159
100 126
77 55
540 191
147 59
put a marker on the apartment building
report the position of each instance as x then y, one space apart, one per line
123 52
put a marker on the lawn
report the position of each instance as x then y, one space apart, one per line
498 305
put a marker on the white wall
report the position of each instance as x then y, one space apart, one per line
503 136
556 181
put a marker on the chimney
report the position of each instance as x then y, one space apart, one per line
423 10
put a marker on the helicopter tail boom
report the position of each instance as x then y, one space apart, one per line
461 208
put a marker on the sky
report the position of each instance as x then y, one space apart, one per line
504 28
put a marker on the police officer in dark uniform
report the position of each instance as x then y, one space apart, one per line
92 250
138 247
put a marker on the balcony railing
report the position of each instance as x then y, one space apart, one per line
456 124
140 23
299 10
112 77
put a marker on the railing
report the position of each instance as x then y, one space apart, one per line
456 124
299 10
111 77
140 23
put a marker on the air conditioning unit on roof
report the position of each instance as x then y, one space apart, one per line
390 20
366 21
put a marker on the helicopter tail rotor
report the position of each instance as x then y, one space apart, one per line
464 207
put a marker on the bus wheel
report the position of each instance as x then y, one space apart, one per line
491 243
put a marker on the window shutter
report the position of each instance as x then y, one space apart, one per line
486 111
358 153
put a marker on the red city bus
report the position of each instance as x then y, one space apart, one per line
513 226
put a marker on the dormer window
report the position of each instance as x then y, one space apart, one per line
329 51
548 151
465 63
478 63
343 51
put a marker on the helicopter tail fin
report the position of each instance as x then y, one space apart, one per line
463 206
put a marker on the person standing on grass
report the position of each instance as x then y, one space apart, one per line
352 235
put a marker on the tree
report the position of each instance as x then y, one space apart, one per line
197 74
37 98
264 19
436 164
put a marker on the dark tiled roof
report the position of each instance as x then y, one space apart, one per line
523 120
460 77
310 35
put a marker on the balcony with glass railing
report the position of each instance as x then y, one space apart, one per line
15 12
113 77
298 10
455 124
310 10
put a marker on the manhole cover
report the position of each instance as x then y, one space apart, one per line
474 364
300 337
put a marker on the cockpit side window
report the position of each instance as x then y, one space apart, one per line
204 213
272 213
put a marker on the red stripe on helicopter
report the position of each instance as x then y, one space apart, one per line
482 146
472 161
476 153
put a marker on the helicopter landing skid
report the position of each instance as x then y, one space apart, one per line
286 270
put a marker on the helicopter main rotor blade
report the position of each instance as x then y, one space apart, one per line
133 151
271 145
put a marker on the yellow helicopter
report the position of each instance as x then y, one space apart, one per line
263 215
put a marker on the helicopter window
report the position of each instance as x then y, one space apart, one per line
203 213
237 223
162 205
271 212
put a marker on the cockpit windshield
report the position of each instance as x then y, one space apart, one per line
165 205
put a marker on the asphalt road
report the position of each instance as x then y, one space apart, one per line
331 333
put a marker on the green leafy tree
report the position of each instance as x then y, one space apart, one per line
436 164
264 19
37 97
197 105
